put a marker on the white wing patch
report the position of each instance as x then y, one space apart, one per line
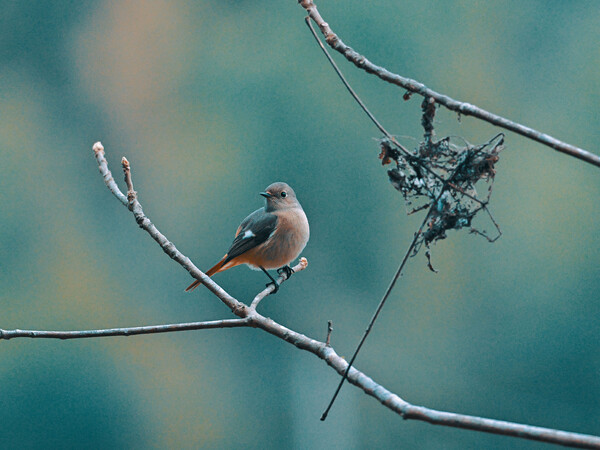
248 234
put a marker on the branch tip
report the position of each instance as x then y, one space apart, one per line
98 148
131 193
302 264
329 330
283 276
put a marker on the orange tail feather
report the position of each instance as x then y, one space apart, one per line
214 269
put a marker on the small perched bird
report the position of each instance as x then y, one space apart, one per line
269 238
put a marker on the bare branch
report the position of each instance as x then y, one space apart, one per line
326 352
131 201
131 331
251 318
302 264
339 364
416 87
106 174
409 411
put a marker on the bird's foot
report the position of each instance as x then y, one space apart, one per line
287 270
275 284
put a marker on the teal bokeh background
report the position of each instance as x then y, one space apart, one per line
213 100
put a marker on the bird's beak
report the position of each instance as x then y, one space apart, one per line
266 194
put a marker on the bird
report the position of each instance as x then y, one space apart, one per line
269 238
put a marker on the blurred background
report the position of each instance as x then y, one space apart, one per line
211 101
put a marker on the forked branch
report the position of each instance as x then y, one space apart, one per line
249 317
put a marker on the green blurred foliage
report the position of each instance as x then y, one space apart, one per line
211 101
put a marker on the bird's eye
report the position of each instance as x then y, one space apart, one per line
283 194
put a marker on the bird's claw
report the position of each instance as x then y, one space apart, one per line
287 270
275 284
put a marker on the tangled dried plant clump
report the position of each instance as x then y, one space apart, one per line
441 175
441 171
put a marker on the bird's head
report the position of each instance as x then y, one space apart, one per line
279 196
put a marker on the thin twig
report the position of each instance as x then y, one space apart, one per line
98 149
428 108
462 108
130 331
131 194
168 247
409 251
329 331
302 264
349 88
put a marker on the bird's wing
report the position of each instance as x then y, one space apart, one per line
253 231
